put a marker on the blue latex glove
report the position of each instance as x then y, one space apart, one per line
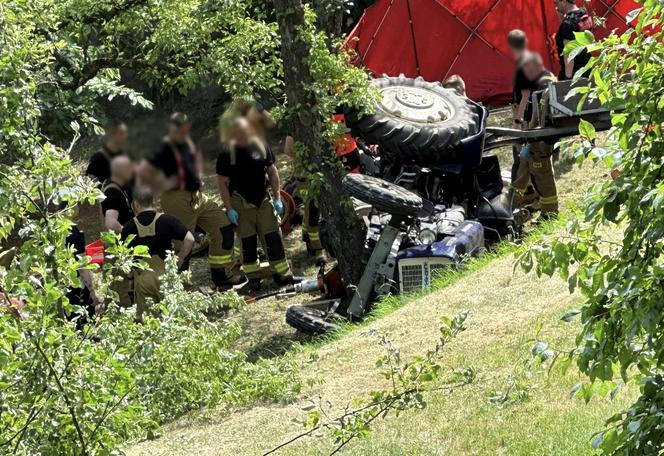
279 207
233 216
525 152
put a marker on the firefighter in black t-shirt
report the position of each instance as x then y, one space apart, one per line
518 43
157 232
115 141
536 166
116 208
176 170
573 19
245 170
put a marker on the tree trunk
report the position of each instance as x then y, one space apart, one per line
346 231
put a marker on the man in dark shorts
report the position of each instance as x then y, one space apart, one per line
157 232
245 170
115 141
116 208
574 19
176 172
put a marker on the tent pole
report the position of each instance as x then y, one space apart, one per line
373 37
473 32
412 34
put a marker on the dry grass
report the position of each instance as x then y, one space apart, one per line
507 307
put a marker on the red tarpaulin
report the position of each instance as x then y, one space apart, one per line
438 38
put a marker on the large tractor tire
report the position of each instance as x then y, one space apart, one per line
384 196
417 120
309 320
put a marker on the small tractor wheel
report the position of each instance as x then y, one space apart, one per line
384 196
309 320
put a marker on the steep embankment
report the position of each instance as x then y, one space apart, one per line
513 408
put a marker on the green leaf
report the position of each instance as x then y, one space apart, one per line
570 314
584 38
587 130
565 364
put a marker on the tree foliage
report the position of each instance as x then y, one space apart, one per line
68 390
622 337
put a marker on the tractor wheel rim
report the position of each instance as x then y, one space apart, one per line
416 104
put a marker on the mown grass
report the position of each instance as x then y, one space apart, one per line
536 416
513 408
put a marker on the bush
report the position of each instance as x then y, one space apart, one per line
65 390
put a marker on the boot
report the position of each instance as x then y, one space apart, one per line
286 279
320 257
254 284
223 281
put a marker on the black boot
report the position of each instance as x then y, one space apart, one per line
224 281
286 279
255 284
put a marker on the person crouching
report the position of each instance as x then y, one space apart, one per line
156 231
245 170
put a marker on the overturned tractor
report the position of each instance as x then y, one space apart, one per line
437 196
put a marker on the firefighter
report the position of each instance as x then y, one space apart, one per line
573 19
518 44
311 217
346 148
84 296
116 207
259 118
176 171
536 165
115 141
116 211
245 170
157 232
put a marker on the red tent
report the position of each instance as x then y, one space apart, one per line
438 38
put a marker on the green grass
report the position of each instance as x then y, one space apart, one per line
536 417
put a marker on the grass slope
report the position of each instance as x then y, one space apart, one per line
537 417
514 408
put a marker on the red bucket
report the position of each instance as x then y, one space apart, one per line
96 252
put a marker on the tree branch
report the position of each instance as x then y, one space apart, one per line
65 397
102 16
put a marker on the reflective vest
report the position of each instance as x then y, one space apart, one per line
345 144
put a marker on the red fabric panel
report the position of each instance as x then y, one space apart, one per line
367 26
488 74
439 38
471 12
392 49
465 37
